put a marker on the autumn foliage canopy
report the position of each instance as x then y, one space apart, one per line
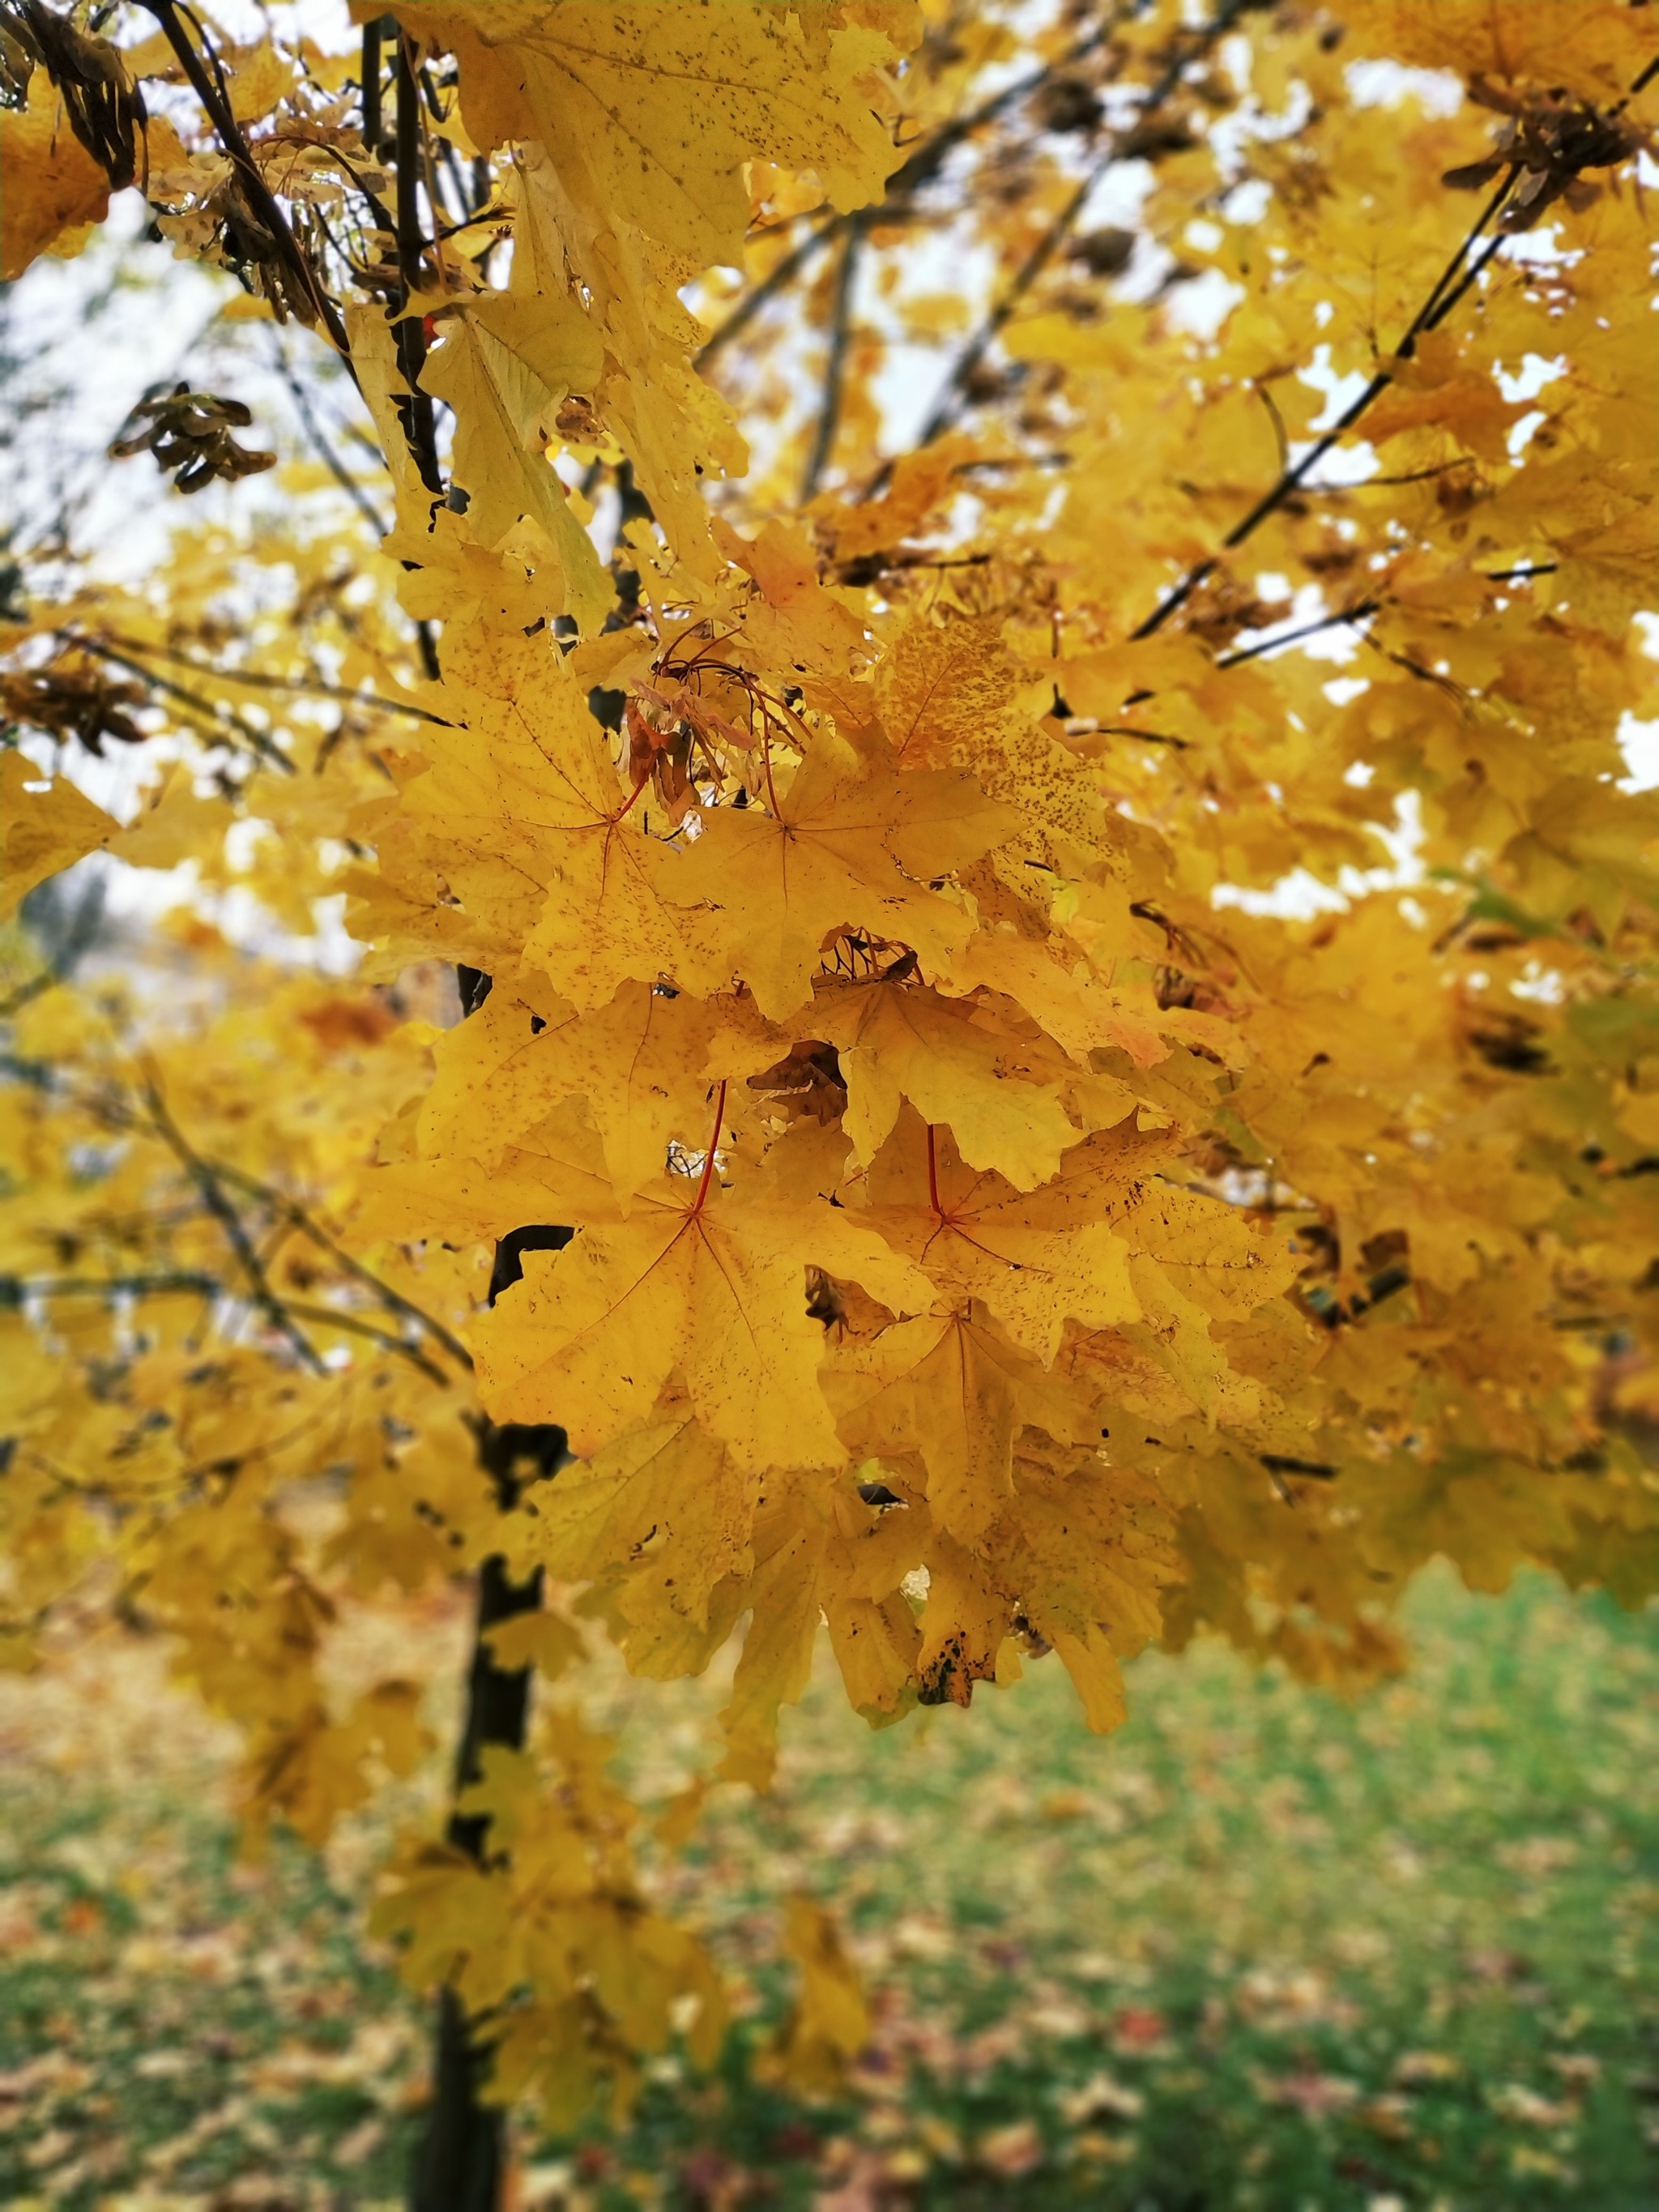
997 655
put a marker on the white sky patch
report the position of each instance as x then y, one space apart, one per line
1530 379
1385 84
1200 307
1301 895
1308 605
1640 739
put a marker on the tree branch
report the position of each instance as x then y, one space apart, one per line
13 1289
271 754
258 680
355 1325
370 85
1429 317
919 168
415 411
213 1197
835 367
769 286
325 450
292 1212
262 200
952 395
1353 614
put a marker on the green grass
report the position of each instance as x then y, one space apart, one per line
1262 1947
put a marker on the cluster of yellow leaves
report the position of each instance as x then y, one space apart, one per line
176 1189
560 1914
872 1020
1004 1223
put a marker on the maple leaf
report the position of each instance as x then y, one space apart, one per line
49 824
952 1389
944 685
504 365
966 1618
959 1067
523 811
1035 1260
838 852
663 1501
55 190
555 1173
657 115
697 1281
647 1065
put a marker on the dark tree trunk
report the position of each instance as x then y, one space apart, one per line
461 2166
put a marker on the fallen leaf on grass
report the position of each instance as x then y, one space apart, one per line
1524 2161
1390 2116
1418 2070
1014 2150
1102 2097
360 2142
1138 2031
1313 2094
1513 2100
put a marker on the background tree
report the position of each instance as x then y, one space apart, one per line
1079 1126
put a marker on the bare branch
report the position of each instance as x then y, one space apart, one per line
207 1182
258 680
263 201
1355 613
1433 312
953 394
292 1212
271 754
835 368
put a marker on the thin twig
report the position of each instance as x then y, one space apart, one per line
355 1325
261 743
13 1289
262 200
109 1108
1433 312
952 394
14 1001
325 450
835 367
296 1215
213 1197
1353 614
919 168
770 285
258 680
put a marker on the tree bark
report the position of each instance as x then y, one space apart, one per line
461 2164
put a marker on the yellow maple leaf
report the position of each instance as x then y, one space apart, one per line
523 816
54 189
951 1388
959 1067
665 1502
653 112
504 363
49 825
697 1281
838 852
647 1065
1036 1259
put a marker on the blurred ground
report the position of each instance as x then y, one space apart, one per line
1262 1948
